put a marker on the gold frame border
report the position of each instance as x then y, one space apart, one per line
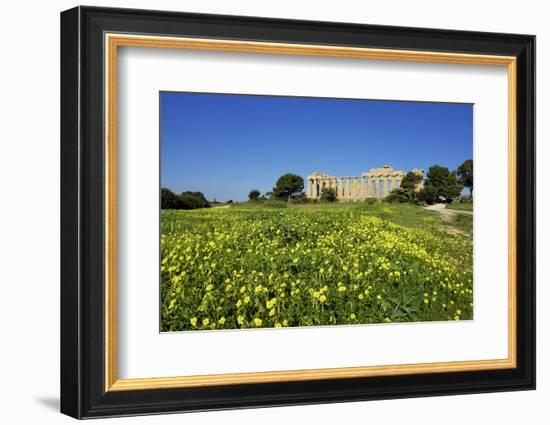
113 41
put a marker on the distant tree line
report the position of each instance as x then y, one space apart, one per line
184 201
441 185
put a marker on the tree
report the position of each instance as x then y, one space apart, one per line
184 201
254 195
444 183
328 194
465 172
410 181
288 185
168 199
192 200
428 195
406 192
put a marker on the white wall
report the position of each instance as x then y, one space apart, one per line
29 236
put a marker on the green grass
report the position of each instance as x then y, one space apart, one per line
314 264
460 207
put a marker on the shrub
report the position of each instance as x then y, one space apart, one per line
399 195
464 199
300 198
428 195
328 194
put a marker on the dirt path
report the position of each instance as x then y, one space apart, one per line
221 206
446 213
448 217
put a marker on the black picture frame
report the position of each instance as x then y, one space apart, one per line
83 392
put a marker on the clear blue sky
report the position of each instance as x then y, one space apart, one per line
225 145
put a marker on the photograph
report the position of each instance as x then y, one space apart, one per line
279 210
287 211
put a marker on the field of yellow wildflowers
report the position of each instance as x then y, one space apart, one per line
313 265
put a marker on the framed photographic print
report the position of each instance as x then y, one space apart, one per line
261 212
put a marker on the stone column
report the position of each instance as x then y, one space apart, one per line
364 186
344 187
308 188
317 187
372 187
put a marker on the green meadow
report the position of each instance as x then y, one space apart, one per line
252 265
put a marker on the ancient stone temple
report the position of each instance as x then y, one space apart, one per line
377 183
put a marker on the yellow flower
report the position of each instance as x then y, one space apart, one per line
193 321
352 316
222 320
271 302
285 322
172 304
322 298
258 322
205 322
209 287
246 299
240 320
